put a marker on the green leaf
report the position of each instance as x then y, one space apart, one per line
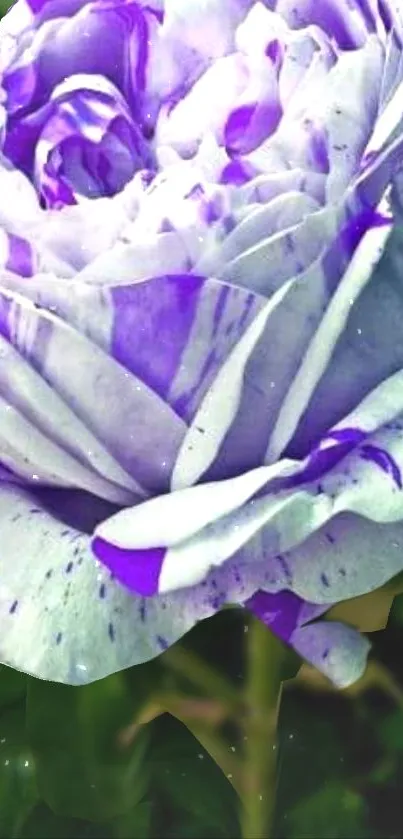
43 824
186 827
4 5
18 790
185 772
307 735
390 732
13 686
397 608
333 812
83 770
134 824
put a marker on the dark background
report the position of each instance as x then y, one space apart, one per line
73 764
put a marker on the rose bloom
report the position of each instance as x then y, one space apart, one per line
201 374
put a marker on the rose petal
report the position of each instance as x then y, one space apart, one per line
336 650
73 623
85 377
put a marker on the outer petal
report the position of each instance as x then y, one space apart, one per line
85 377
348 24
337 650
73 623
357 468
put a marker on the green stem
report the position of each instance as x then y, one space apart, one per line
197 671
265 658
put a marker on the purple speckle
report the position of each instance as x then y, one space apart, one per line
59 637
284 567
102 591
324 580
162 642
111 632
69 567
13 607
218 601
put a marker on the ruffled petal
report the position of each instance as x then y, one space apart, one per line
95 37
84 142
357 468
348 24
320 350
63 617
84 376
336 650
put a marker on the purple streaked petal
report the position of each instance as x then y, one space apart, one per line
25 390
346 558
85 140
283 213
199 539
84 376
152 346
319 352
337 650
206 106
74 623
280 611
341 22
21 258
170 520
249 125
384 460
327 455
113 44
220 405
179 364
237 172
139 571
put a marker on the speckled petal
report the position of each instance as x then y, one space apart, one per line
64 618
338 651
356 468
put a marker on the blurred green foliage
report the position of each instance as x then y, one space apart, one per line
75 761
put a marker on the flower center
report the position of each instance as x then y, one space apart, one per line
83 142
76 105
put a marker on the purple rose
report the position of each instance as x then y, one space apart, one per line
201 374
